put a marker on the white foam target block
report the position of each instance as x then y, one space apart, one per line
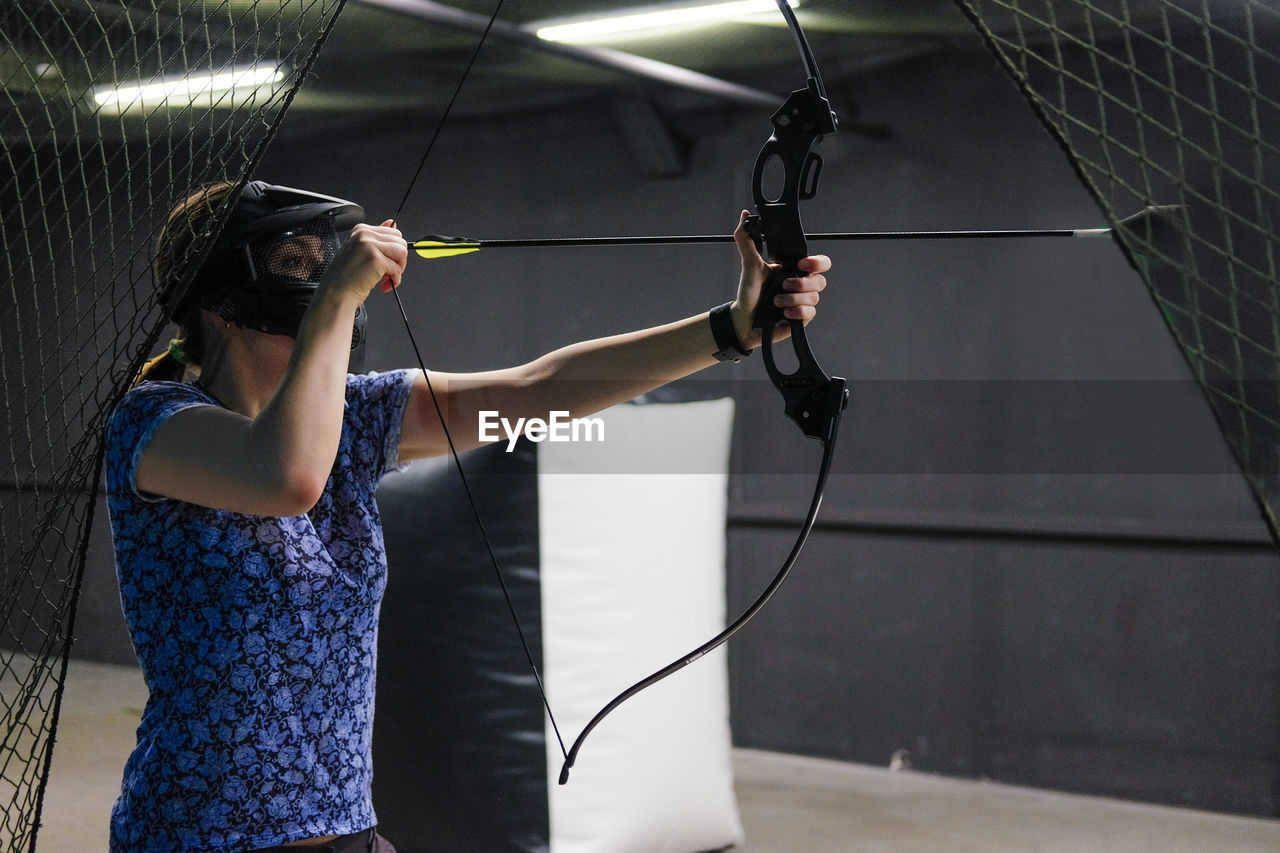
632 541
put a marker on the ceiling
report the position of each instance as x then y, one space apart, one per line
398 56
419 48
424 55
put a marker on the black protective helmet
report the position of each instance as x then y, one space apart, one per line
265 267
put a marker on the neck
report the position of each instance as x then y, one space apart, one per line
246 369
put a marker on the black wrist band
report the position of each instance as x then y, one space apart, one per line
729 347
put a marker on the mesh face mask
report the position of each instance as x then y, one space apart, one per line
279 272
265 269
300 254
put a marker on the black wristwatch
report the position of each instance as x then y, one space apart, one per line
729 347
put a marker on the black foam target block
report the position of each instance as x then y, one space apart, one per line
459 744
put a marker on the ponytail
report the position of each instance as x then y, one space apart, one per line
162 368
185 351
171 365
170 266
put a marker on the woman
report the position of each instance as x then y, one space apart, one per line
241 471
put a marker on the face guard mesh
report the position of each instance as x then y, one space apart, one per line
299 255
267 281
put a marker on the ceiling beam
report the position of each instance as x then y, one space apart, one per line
636 66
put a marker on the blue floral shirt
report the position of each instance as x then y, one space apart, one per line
257 639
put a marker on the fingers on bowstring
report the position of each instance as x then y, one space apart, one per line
392 245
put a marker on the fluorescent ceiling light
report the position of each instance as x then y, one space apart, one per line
185 91
584 31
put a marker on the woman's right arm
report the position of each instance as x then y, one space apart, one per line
276 461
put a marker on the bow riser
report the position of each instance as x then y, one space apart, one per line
799 124
810 397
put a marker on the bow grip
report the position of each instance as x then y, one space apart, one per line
781 236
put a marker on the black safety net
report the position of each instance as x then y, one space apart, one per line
112 112
1176 104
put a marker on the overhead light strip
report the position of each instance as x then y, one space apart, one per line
185 90
586 31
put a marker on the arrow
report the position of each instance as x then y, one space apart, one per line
434 246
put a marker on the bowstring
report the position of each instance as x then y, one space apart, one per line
435 401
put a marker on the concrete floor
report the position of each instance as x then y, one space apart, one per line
789 804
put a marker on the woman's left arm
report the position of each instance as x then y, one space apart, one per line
586 377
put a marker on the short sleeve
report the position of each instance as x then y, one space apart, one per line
134 420
376 404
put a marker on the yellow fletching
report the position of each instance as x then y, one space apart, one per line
432 249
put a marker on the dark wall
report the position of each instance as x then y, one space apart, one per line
1036 561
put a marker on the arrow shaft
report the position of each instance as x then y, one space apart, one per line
685 239
964 235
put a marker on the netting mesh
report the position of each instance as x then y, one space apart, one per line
112 111
1176 102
